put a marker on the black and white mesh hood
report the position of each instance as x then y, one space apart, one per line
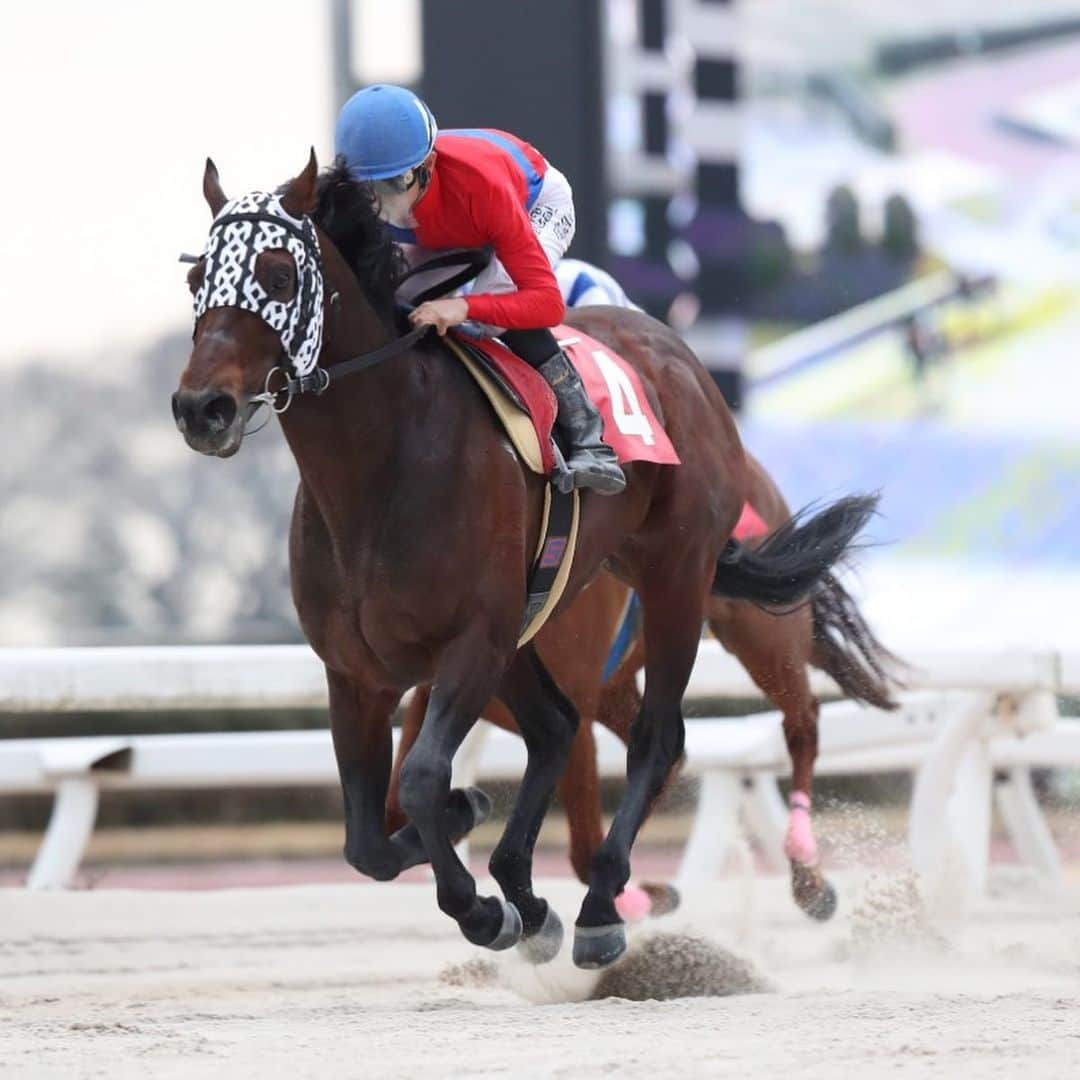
244 228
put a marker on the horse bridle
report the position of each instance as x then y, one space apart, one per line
232 257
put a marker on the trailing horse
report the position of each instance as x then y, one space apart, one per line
414 529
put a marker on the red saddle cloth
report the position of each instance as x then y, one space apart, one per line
630 426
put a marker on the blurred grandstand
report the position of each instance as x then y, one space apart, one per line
964 117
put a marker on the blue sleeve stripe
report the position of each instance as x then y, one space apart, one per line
582 284
533 180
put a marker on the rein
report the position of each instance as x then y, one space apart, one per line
318 381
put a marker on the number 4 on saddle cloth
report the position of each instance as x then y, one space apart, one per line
526 406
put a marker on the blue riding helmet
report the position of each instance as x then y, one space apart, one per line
384 131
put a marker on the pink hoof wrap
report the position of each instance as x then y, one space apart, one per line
633 904
799 844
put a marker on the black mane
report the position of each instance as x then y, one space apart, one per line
346 211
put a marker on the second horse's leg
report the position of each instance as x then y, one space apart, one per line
775 650
548 722
579 793
812 890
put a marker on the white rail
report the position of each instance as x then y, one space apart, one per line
974 730
290 676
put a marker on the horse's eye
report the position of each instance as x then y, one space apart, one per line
281 281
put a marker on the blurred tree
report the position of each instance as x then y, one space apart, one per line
842 229
770 255
900 235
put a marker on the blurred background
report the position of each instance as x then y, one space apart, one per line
864 217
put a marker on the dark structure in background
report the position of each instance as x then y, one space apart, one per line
658 284
720 233
546 73
535 70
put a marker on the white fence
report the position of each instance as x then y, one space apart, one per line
971 729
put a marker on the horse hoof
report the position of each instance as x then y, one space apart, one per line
511 930
813 892
665 898
821 907
479 803
543 946
598 946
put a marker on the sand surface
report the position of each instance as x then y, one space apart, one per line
371 981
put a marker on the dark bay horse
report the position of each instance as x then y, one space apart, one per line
415 525
829 633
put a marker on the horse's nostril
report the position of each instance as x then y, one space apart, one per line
176 407
220 411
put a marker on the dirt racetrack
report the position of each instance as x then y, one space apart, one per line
371 981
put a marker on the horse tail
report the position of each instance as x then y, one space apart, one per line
786 567
846 649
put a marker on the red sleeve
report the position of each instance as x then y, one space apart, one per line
538 302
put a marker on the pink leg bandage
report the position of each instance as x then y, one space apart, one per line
633 904
799 844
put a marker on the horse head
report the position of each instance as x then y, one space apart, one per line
259 308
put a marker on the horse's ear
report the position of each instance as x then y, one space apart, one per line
211 188
299 197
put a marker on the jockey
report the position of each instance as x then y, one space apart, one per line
476 188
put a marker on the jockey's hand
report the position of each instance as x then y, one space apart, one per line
442 314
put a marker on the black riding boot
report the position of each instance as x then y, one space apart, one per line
590 462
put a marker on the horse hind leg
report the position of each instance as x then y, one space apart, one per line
548 722
812 891
775 649
618 704
673 610
579 793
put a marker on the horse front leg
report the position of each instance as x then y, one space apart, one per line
466 807
672 602
548 721
360 725
468 674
